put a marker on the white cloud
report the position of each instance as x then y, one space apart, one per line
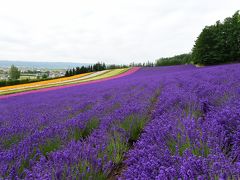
115 31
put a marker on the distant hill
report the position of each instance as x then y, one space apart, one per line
45 65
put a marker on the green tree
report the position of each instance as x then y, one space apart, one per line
44 76
70 72
219 43
66 73
175 60
78 70
14 73
73 71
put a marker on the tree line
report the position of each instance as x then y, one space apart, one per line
175 60
144 64
99 66
216 44
219 43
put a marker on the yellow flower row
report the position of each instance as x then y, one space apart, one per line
44 82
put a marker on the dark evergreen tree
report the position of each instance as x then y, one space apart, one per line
73 71
78 71
70 72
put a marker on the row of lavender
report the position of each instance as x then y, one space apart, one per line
84 132
77 132
195 130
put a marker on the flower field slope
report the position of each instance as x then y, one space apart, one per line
61 81
195 129
122 74
156 123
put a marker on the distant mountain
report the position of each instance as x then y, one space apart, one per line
42 65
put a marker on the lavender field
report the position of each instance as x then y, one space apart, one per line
157 123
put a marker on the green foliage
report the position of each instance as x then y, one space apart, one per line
172 146
114 107
85 170
133 125
92 68
202 151
26 163
183 146
190 110
50 145
114 66
154 98
222 99
77 133
175 60
14 73
219 43
125 133
44 76
7 143
181 143
99 66
83 167
90 126
116 148
87 107
197 114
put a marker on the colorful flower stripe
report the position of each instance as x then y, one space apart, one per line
132 70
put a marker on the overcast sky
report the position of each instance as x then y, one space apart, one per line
113 31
